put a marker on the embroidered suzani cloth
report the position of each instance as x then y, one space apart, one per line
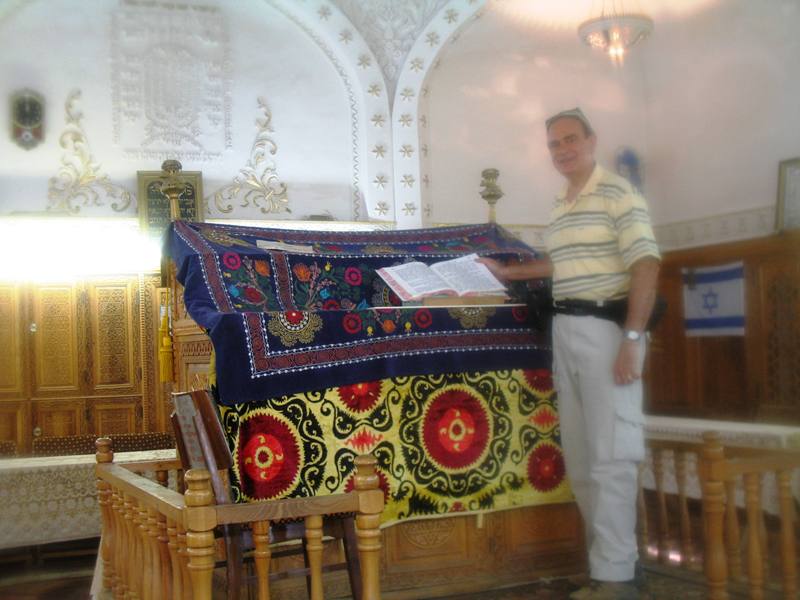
291 311
449 443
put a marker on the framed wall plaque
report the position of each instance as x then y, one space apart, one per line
154 206
787 213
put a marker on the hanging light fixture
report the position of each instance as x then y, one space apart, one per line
614 31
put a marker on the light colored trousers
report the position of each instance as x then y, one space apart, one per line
602 433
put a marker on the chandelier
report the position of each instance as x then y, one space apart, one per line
615 31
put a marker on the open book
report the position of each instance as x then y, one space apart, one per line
457 277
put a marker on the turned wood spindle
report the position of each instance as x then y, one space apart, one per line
261 557
712 477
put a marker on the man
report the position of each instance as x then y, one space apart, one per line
604 262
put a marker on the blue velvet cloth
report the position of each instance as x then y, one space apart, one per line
318 316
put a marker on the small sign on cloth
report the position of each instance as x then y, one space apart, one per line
713 300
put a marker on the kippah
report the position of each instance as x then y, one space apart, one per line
575 113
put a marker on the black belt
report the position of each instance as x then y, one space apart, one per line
613 310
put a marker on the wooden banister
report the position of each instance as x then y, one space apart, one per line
719 476
158 543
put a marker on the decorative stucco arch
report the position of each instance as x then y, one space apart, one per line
409 116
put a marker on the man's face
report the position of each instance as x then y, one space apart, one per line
570 148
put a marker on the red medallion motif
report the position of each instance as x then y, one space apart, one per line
352 275
540 380
520 313
360 397
269 458
232 260
545 467
456 429
351 323
423 318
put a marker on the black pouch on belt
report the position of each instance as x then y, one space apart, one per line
619 312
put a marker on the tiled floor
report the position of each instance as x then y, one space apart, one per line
70 579
71 582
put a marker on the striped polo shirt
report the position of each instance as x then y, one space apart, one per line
594 240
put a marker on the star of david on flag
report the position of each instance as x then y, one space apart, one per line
713 300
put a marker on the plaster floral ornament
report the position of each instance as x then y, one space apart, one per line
257 183
80 179
546 467
472 317
293 326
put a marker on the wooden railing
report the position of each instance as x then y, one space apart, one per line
717 541
158 543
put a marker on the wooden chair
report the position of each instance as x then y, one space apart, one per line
158 543
195 412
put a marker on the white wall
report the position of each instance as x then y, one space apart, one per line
175 82
723 107
489 98
709 102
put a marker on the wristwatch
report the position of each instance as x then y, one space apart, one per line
632 335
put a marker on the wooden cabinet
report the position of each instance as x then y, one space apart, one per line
79 358
751 377
14 385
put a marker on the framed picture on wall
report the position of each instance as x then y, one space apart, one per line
154 205
788 209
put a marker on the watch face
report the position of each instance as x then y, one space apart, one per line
27 118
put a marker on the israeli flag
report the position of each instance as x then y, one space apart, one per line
713 300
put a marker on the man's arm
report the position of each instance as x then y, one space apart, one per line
641 297
518 271
642 294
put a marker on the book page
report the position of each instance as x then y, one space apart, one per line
468 277
414 280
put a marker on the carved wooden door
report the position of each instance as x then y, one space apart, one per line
85 354
14 392
56 327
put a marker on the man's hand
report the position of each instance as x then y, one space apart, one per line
627 367
518 271
495 266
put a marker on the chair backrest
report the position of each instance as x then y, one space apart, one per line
8 448
148 440
200 439
63 445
